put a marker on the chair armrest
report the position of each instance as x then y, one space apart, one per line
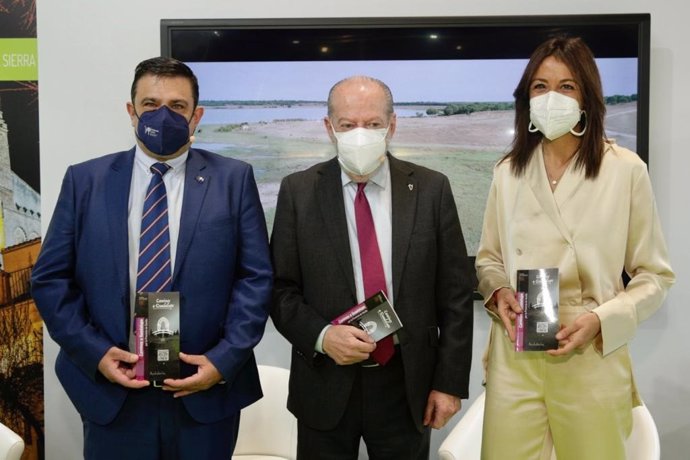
11 444
465 439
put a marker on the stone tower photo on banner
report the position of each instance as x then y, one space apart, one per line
21 328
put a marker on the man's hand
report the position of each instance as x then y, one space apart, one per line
507 308
206 376
347 344
578 335
440 407
116 366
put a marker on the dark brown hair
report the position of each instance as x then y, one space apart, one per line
165 67
576 55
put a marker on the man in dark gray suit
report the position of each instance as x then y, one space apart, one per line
323 266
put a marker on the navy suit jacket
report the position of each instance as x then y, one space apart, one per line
81 280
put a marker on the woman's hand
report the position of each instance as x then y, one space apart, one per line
578 335
507 308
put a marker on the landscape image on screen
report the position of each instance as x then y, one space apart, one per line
454 116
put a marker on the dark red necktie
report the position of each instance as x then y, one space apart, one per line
372 266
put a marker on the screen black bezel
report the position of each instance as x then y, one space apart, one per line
489 37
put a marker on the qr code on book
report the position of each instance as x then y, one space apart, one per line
163 355
542 327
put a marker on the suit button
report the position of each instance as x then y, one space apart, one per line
518 251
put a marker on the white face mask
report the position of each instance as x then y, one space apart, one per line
554 115
361 150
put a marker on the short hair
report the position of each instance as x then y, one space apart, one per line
576 55
386 92
165 67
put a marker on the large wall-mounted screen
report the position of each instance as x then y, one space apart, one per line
264 84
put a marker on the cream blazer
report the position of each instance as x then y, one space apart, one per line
590 229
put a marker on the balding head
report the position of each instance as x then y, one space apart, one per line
373 87
360 102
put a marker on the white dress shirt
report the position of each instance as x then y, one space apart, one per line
378 193
174 186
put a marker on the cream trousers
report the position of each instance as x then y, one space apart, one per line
580 404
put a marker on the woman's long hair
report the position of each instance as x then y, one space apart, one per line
576 55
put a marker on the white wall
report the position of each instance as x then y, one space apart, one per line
88 51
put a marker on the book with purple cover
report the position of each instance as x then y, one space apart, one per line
141 317
537 293
520 323
375 315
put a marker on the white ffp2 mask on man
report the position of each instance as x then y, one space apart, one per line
361 150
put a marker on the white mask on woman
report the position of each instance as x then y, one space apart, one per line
361 150
554 114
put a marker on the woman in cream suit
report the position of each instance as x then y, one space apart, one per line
566 197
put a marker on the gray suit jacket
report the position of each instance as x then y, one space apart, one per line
314 282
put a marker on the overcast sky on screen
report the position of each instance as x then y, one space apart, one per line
410 81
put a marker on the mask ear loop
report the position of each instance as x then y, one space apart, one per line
530 126
581 133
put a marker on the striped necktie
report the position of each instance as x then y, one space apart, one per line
153 272
372 267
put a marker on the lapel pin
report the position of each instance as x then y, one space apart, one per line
200 179
410 186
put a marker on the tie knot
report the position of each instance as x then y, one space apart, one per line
160 168
360 187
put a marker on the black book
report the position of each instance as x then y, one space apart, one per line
157 336
537 293
375 315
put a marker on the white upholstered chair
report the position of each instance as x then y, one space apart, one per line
11 444
268 431
643 443
465 439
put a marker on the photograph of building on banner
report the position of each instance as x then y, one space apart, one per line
21 328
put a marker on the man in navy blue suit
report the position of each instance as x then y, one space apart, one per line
216 256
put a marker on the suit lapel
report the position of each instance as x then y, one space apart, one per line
329 190
539 184
196 184
404 190
117 198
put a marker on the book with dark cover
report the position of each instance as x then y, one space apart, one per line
537 293
157 336
375 315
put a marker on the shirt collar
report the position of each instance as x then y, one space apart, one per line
380 177
145 161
